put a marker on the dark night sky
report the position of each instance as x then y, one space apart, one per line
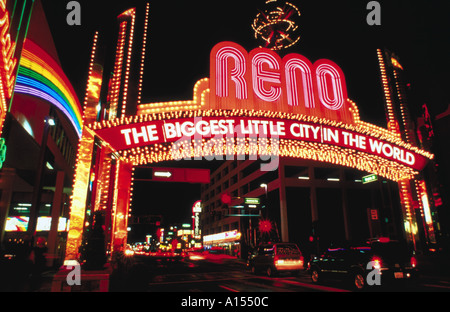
185 31
182 33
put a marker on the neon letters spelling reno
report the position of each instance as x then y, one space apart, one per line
262 80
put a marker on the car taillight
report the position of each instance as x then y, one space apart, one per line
277 260
413 262
376 263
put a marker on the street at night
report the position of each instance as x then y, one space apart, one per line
233 276
227 275
243 155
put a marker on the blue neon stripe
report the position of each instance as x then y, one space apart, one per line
26 81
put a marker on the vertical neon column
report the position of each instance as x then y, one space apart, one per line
119 92
390 84
144 46
121 204
79 195
8 63
116 80
389 106
103 179
409 218
84 160
425 210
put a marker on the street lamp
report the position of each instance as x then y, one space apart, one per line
48 122
265 186
266 222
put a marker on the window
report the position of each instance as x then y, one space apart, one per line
254 166
234 179
225 185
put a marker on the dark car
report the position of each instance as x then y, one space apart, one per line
275 258
376 262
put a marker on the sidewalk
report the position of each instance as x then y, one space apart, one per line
20 281
46 283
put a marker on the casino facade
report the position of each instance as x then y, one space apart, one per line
283 122
40 122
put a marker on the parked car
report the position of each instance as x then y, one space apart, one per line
390 259
275 258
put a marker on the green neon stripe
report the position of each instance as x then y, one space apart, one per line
20 56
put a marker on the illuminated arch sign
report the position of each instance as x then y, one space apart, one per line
258 104
226 129
261 80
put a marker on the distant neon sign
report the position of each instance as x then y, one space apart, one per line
224 236
196 210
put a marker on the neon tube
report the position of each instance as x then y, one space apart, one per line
41 76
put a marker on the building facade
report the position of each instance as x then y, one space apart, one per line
41 132
419 196
308 203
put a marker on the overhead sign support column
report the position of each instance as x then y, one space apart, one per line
84 160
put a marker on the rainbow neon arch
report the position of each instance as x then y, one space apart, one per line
41 76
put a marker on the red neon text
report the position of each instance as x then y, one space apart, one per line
293 80
228 128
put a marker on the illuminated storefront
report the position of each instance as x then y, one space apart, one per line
224 242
